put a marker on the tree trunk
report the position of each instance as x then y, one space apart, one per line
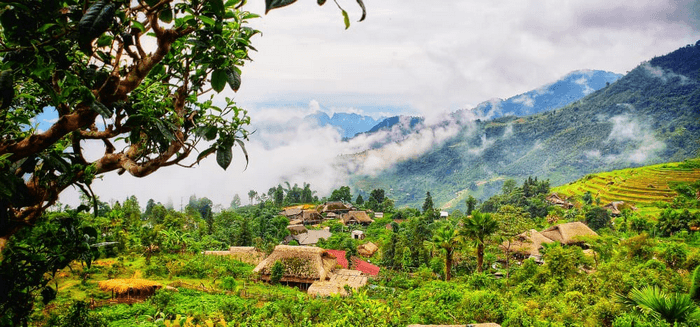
448 266
480 257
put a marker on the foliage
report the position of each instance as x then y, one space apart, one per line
478 228
276 272
597 218
341 194
653 301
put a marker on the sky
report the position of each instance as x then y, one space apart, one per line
408 57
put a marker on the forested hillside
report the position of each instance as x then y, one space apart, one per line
648 116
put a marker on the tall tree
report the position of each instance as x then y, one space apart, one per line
251 195
471 204
446 240
428 203
236 201
478 228
359 201
279 196
341 194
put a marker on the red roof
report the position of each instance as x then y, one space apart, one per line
340 256
359 264
365 267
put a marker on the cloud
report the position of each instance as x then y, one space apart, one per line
525 100
626 129
583 81
664 75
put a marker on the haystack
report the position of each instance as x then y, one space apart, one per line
367 249
336 285
302 264
356 217
568 233
130 288
526 244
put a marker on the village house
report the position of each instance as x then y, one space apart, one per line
303 265
356 217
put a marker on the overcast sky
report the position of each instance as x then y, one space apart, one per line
408 57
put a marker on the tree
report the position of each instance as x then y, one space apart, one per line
446 240
511 221
597 218
478 228
85 61
428 203
341 194
236 202
471 204
277 272
279 196
359 201
251 195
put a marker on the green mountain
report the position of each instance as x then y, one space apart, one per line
649 116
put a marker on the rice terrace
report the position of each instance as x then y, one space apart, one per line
349 163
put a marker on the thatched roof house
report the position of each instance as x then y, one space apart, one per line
338 280
311 217
616 207
568 233
556 200
312 236
367 249
292 213
130 288
356 217
247 254
302 264
337 207
297 229
526 244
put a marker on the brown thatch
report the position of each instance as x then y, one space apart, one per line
338 280
247 254
556 200
296 229
367 249
302 264
134 287
337 207
292 212
616 207
527 243
568 233
356 217
311 217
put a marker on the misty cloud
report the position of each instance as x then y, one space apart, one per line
525 100
627 129
664 75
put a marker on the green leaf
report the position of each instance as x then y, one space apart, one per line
346 19
218 80
364 10
101 109
104 40
166 15
321 2
207 20
273 4
138 25
233 78
250 15
224 156
245 152
205 153
165 130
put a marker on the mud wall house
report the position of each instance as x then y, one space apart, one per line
303 265
358 235
568 233
356 217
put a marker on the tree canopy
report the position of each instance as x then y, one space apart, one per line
137 78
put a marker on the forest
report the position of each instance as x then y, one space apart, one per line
641 268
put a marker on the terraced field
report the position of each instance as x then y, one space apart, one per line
640 186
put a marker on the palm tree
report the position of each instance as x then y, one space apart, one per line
445 239
672 308
478 227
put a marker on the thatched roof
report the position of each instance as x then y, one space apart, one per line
311 217
291 212
302 264
356 217
526 243
616 207
334 206
568 233
247 254
312 236
367 249
133 286
297 229
336 285
556 200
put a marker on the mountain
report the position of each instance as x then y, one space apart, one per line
391 121
649 116
348 124
570 88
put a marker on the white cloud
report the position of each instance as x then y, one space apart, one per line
525 100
